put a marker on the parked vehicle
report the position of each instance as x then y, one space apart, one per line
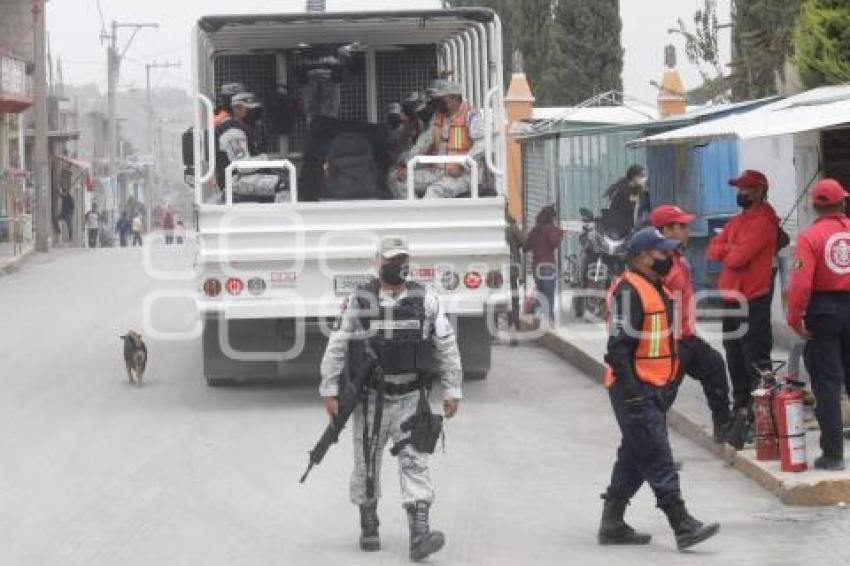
267 271
602 259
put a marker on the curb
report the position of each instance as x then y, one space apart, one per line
11 264
787 487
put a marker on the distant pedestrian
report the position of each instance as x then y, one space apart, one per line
138 228
92 226
123 227
543 241
516 244
179 232
168 227
819 312
66 212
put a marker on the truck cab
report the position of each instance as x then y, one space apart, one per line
273 274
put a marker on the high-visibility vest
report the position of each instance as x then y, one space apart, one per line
459 142
655 362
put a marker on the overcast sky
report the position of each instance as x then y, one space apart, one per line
74 27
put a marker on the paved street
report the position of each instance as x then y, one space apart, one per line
96 472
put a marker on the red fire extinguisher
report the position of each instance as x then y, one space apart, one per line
791 427
767 440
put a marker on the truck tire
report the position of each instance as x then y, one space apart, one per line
475 347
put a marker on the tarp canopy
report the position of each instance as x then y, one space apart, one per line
817 109
257 32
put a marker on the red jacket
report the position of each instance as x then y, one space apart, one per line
680 284
746 247
822 263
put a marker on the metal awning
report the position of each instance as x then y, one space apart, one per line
377 29
819 109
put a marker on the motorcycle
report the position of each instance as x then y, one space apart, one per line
602 260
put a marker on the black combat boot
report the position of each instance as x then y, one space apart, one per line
688 530
739 429
423 541
613 529
370 541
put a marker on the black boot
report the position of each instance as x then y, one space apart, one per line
370 541
688 530
721 423
423 541
738 430
613 529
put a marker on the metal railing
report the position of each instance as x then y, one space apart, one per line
252 164
442 160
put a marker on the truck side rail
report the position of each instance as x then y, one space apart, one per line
441 160
258 164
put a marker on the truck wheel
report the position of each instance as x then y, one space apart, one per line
475 347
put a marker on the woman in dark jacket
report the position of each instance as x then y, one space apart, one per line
543 241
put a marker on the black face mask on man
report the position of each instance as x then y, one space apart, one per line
745 201
662 266
394 274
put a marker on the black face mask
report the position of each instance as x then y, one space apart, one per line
662 266
394 121
425 115
393 274
744 201
441 106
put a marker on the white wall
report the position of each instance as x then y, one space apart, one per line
774 157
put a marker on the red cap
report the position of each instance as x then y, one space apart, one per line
668 214
750 179
828 192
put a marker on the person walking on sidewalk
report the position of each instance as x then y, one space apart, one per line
138 228
516 244
543 241
642 362
123 227
819 312
696 356
746 248
92 226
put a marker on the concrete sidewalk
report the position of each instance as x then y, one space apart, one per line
583 342
10 257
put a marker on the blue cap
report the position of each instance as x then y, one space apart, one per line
650 239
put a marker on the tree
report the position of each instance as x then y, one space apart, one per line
822 42
571 48
702 47
588 35
764 40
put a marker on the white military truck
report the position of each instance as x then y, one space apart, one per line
273 275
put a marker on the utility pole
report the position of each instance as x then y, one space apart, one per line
42 165
114 56
151 113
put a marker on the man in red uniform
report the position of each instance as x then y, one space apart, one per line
819 311
746 248
696 356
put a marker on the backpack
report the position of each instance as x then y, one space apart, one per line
352 173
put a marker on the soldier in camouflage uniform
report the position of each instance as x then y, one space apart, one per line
401 394
456 129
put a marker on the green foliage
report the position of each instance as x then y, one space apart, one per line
702 47
822 42
571 48
764 40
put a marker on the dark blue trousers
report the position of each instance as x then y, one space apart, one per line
644 454
827 358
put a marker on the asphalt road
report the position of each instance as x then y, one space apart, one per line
97 472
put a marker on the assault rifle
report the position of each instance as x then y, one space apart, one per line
350 396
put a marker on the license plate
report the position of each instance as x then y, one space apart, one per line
283 279
347 284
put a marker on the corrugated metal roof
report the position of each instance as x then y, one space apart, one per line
598 114
813 110
280 31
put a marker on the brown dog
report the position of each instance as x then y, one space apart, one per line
135 356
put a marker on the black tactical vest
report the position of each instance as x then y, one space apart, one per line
399 335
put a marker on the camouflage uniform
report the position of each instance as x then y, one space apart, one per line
433 182
413 466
